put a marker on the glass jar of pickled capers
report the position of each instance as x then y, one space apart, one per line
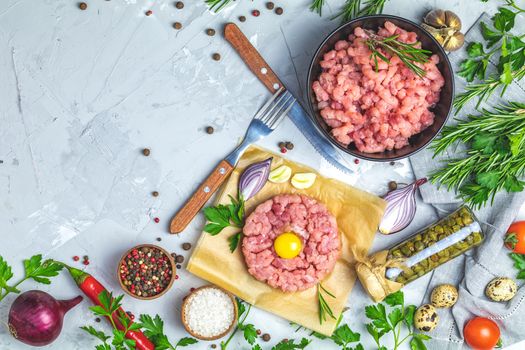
435 245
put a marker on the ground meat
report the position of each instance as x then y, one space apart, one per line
307 218
376 110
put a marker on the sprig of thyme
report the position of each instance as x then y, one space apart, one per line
354 8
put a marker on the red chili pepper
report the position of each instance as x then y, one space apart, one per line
92 288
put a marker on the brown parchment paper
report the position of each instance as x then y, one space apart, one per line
357 212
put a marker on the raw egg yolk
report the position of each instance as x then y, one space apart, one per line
287 245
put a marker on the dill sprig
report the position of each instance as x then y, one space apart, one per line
411 55
317 6
353 9
217 5
495 155
324 307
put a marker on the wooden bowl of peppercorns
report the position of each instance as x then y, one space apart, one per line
146 271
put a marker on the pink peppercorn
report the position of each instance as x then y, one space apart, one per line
76 258
85 262
256 13
284 150
157 220
356 161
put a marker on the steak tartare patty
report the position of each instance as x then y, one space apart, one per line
310 221
381 109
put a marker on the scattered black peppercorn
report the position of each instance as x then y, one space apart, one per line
242 18
178 266
210 31
210 129
179 5
266 337
186 246
392 163
82 6
279 11
97 319
149 13
213 346
155 193
289 145
146 151
281 145
174 255
258 332
392 185
177 25
216 56
159 239
179 259
270 5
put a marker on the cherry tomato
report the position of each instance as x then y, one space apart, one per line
515 239
481 333
287 245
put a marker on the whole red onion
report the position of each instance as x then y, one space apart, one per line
36 317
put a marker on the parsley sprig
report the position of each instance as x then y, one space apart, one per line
519 264
383 323
221 216
109 307
248 329
498 40
495 155
289 344
34 269
324 307
153 327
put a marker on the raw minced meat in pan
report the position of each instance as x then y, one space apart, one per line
307 218
376 110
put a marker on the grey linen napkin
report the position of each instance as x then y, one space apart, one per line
472 272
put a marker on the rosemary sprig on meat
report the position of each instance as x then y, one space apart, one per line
410 54
495 155
353 9
324 308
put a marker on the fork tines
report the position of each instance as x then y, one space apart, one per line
276 108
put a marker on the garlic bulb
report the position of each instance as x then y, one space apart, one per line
445 27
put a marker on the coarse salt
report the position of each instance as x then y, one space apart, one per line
209 312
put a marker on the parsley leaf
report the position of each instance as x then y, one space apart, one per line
250 333
233 241
519 264
154 330
344 335
395 299
488 179
97 334
222 216
38 271
291 345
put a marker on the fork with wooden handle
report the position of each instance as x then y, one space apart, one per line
262 124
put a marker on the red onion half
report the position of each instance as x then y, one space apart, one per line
36 317
254 178
400 209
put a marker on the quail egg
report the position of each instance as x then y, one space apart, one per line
501 289
444 296
426 318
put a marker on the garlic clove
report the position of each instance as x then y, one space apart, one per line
452 20
436 19
454 42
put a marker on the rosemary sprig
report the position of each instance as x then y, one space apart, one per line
324 307
411 55
317 6
353 9
495 155
217 5
484 90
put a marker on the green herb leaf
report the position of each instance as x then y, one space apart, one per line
213 228
233 241
491 36
38 271
97 334
256 347
410 310
475 49
395 299
377 313
118 337
395 316
240 307
485 142
504 19
186 341
249 332
488 179
512 184
471 69
291 345
344 335
222 216
417 344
